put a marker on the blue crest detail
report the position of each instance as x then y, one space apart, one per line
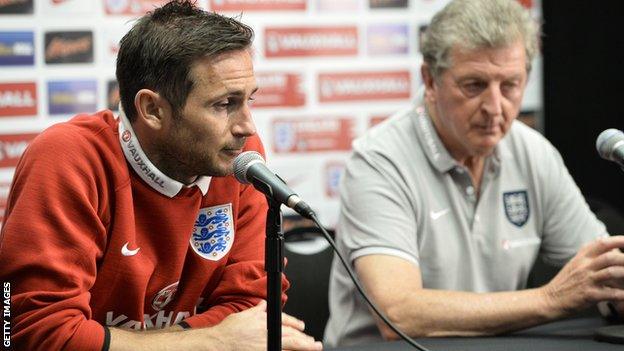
516 204
213 233
284 136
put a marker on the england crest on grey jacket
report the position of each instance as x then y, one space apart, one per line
213 233
517 207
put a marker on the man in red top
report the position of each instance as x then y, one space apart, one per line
116 226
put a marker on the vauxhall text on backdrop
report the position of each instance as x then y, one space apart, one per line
327 71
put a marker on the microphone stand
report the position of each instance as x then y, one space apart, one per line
274 266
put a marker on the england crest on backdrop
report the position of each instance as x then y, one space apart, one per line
213 233
516 205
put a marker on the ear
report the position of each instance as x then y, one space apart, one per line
429 81
153 110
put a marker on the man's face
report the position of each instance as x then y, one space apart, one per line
474 102
216 120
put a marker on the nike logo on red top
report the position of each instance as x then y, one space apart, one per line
127 252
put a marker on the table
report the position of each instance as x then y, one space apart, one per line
565 335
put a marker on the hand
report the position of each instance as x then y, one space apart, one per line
247 331
243 331
591 276
615 311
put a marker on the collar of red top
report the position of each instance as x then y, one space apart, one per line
145 168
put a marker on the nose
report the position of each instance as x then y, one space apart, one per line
492 100
244 125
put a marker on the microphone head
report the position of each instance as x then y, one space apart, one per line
606 142
242 163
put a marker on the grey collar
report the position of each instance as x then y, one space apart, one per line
435 150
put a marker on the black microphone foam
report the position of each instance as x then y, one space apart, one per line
249 168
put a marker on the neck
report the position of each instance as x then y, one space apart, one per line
475 167
158 155
474 163
171 167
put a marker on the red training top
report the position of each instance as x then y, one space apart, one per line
87 241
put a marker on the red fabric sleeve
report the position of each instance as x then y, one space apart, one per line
243 283
51 239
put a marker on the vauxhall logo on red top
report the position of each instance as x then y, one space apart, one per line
126 136
159 320
18 99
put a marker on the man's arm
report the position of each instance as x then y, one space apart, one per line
422 312
52 238
238 332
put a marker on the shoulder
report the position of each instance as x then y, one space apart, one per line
77 158
85 141
525 142
388 155
76 133
530 154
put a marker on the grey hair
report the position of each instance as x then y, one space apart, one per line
475 24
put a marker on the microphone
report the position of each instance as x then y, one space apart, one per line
610 146
249 168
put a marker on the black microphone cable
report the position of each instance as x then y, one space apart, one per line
275 187
359 287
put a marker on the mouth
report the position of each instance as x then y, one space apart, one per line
487 129
233 152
